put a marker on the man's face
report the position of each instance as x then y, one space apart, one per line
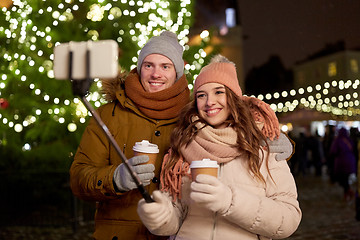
157 73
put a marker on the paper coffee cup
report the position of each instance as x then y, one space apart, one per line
205 166
146 148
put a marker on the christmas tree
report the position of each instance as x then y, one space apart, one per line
41 122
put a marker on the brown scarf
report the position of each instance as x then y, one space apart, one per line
165 104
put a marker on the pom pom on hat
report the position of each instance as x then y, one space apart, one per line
261 112
166 44
219 70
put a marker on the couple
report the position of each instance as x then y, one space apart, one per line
255 195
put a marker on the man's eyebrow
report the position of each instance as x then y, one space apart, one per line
168 63
165 63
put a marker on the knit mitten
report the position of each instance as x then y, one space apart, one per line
282 146
123 179
211 193
156 214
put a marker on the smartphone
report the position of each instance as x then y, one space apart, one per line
103 60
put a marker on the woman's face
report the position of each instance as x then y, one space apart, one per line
212 105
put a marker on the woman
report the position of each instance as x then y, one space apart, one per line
254 196
342 150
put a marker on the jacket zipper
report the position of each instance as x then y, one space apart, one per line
214 226
215 215
124 148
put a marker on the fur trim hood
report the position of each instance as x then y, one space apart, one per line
112 85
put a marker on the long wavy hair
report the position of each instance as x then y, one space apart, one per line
249 136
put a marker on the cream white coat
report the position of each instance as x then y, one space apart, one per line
257 210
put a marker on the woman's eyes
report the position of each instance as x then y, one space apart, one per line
217 92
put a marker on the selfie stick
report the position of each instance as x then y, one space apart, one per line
81 88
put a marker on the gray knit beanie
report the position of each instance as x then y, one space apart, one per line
166 44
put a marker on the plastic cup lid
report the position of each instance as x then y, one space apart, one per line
205 163
145 147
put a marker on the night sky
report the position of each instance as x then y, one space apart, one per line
296 29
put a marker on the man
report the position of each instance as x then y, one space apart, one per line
144 106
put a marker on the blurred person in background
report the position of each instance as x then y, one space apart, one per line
329 158
344 161
355 136
317 153
301 155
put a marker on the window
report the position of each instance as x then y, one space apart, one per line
332 69
354 66
301 77
230 17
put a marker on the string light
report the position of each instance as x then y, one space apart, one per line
342 104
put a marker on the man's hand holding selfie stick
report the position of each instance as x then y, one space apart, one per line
81 62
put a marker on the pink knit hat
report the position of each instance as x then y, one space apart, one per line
219 70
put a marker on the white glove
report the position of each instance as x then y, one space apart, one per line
212 194
282 146
123 179
156 214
